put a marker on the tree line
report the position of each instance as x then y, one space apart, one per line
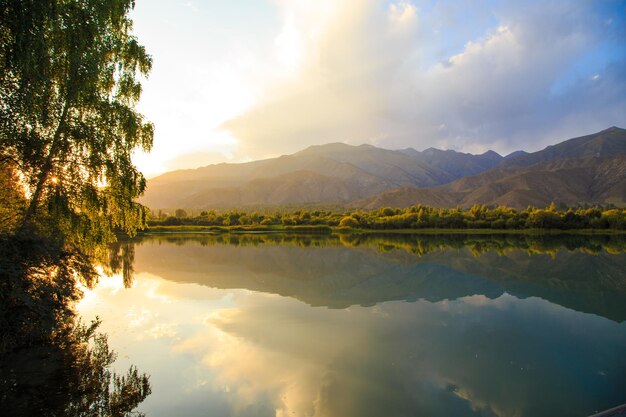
415 217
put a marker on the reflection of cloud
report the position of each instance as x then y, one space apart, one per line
320 362
240 352
139 318
192 6
166 330
277 364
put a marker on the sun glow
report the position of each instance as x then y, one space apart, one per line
289 49
110 285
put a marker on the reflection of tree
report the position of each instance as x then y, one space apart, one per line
91 392
50 363
121 256
418 244
480 244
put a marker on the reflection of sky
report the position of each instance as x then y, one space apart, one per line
243 353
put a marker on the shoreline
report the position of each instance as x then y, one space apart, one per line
327 230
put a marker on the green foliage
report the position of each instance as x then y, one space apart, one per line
68 87
349 221
422 217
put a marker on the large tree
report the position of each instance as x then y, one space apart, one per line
69 83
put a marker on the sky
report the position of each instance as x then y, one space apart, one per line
240 80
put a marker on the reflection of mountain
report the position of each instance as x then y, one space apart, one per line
326 273
589 283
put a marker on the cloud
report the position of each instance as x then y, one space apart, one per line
340 72
394 74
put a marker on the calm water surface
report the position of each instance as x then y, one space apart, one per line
370 326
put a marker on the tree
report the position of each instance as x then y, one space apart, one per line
349 221
68 87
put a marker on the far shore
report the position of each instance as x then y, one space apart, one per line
321 230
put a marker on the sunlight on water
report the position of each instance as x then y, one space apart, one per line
110 285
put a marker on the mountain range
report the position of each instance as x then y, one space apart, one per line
588 169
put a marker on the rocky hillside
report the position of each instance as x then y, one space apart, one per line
569 182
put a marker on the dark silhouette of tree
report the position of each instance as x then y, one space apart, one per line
121 256
50 363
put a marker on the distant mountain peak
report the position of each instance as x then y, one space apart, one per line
327 147
436 151
608 142
491 153
515 153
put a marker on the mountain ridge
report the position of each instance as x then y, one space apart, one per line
586 169
568 182
370 169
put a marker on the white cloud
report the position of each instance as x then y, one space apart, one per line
361 71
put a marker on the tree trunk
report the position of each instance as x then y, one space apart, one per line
45 172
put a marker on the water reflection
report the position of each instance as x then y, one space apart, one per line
51 364
229 329
580 272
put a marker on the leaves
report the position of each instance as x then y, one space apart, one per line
68 88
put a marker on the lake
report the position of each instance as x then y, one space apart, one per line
370 325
